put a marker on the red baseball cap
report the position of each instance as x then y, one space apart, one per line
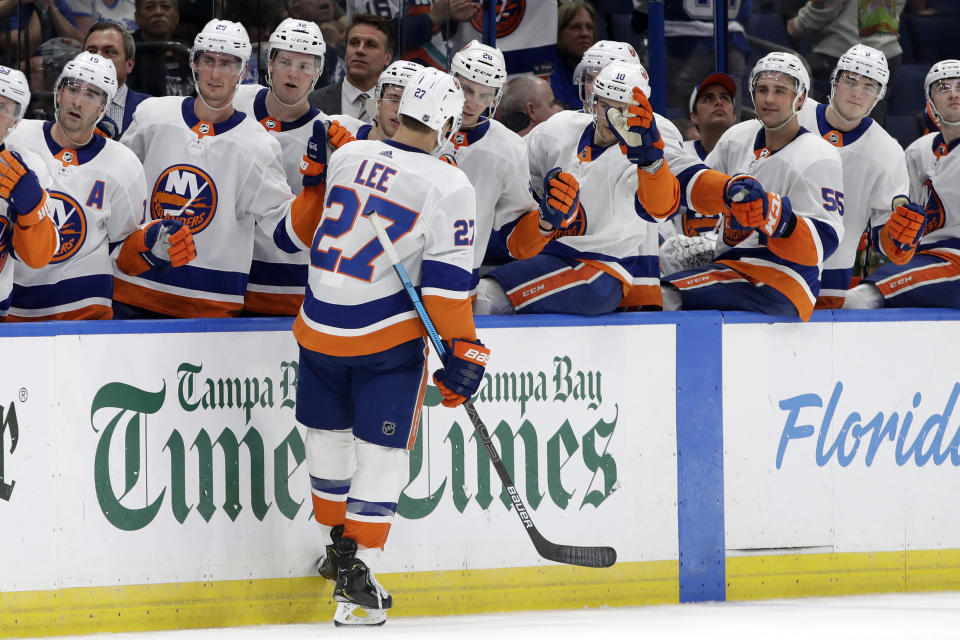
714 78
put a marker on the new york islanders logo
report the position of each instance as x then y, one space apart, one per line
932 207
577 226
509 15
71 222
187 193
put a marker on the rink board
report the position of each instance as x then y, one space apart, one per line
153 476
159 478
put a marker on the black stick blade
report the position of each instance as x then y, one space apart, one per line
599 557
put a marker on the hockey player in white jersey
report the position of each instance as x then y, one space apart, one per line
600 54
931 276
25 223
770 255
632 172
295 61
97 194
214 168
383 108
363 366
495 160
874 171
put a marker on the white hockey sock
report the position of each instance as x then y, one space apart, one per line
331 455
491 299
672 300
381 475
863 296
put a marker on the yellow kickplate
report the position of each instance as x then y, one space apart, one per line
297 600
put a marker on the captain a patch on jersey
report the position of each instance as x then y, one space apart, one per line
185 192
71 223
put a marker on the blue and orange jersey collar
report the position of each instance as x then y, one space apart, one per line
760 149
467 137
272 124
941 148
86 153
698 148
586 150
212 129
836 137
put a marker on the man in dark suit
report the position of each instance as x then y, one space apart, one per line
114 42
370 46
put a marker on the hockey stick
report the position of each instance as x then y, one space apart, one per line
582 556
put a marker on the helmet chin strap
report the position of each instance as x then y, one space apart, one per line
76 144
779 126
839 115
204 101
936 113
276 96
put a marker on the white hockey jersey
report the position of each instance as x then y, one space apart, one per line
97 200
874 172
277 278
355 303
933 166
219 179
807 171
7 229
494 159
611 230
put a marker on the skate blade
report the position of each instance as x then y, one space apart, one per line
345 616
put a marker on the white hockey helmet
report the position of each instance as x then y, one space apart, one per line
13 86
865 61
602 53
299 36
434 98
617 80
787 64
942 70
223 36
482 64
397 74
92 69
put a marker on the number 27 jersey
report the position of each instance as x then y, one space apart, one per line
355 303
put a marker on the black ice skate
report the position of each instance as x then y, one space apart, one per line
357 587
327 565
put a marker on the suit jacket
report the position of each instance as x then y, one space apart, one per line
134 98
328 98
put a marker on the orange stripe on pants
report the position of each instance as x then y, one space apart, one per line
372 535
328 512
896 284
539 288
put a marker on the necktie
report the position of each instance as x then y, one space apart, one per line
363 106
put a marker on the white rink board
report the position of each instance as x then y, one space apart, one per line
114 486
841 485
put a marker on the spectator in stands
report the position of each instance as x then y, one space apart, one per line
115 43
576 32
370 46
89 12
688 27
527 101
327 14
427 26
43 20
163 69
711 110
836 26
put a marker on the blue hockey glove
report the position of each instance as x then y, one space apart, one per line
637 132
561 197
462 372
314 163
753 208
20 187
906 224
169 242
